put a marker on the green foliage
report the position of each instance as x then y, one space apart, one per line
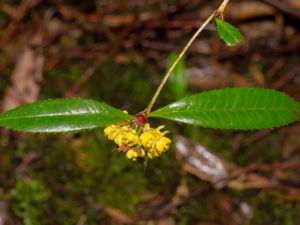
61 115
233 108
28 199
177 82
228 33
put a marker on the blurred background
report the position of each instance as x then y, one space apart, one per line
116 52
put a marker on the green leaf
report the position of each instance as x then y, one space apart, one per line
61 115
234 108
177 82
228 33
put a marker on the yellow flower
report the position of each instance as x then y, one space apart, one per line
154 142
146 142
163 144
131 154
126 137
135 153
111 131
147 139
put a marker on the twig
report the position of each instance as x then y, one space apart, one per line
182 53
287 77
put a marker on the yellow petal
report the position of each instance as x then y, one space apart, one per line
160 127
111 131
131 139
142 153
147 139
150 155
125 128
119 140
166 140
147 126
131 154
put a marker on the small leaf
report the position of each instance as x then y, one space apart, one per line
234 108
61 115
177 82
228 33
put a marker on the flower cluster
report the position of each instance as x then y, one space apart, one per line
138 141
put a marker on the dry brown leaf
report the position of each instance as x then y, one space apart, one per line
201 162
118 20
233 212
3 213
119 216
166 221
24 86
250 180
249 10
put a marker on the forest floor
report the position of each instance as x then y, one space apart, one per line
116 52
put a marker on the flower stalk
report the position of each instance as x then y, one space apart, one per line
218 12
